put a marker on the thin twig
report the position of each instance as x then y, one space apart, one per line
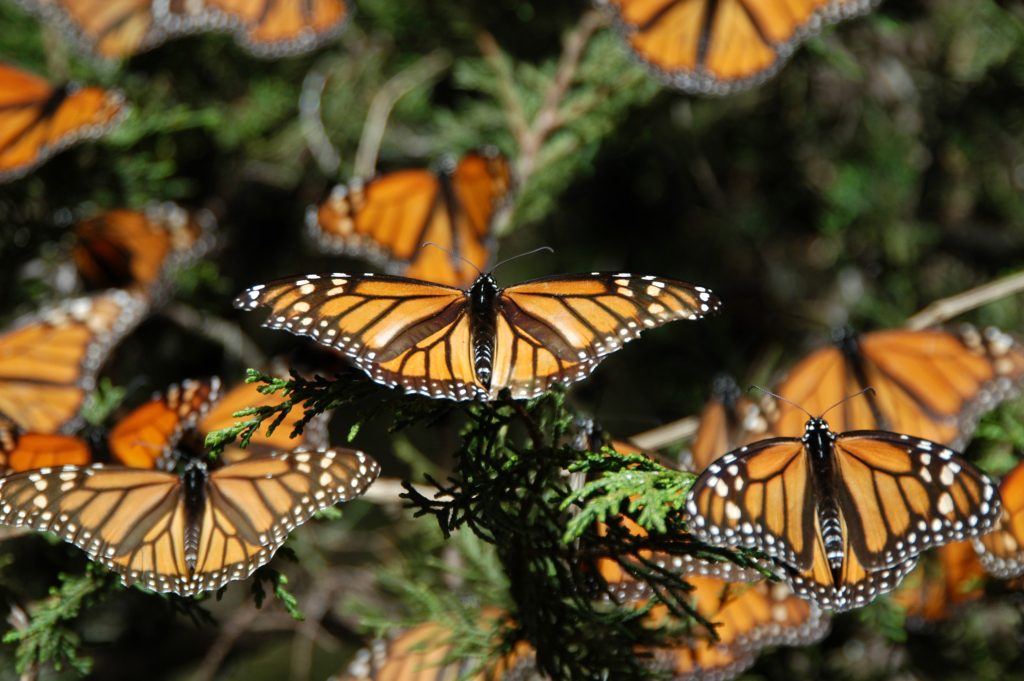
384 101
943 310
680 429
312 124
228 335
506 84
386 491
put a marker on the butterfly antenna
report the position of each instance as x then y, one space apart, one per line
781 398
869 391
522 255
453 254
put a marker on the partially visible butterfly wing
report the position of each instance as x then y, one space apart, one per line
401 332
128 248
277 28
109 29
900 495
556 330
253 504
930 384
709 47
29 451
49 360
390 218
132 521
1002 550
758 496
729 420
246 395
38 120
932 591
146 437
749 618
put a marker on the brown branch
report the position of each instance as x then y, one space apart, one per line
384 101
312 124
943 310
680 429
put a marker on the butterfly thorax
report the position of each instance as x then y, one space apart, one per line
483 321
819 440
193 480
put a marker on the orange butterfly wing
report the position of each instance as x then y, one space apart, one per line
21 451
729 420
127 248
147 436
930 384
936 587
133 521
109 29
1002 550
276 28
49 360
38 120
719 46
245 395
388 219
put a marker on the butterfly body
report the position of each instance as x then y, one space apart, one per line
193 482
446 342
842 516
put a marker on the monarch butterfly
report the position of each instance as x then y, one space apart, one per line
1002 550
444 342
49 360
729 419
424 653
191 530
38 120
136 249
720 46
390 218
935 588
112 29
843 516
929 384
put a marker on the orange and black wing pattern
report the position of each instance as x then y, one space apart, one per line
424 338
426 653
21 451
37 120
892 497
136 249
390 218
275 28
49 360
720 46
729 420
952 577
930 384
148 435
138 522
1002 550
246 395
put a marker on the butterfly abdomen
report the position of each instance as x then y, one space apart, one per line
819 442
194 498
484 317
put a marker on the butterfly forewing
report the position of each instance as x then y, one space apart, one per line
901 495
1002 550
50 359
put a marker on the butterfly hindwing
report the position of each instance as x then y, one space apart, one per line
1002 550
21 451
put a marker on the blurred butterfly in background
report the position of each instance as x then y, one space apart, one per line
843 516
930 384
425 652
139 249
933 591
721 46
445 342
169 518
729 420
49 359
1002 550
113 29
389 219
38 120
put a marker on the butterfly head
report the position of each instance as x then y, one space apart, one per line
817 429
484 291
